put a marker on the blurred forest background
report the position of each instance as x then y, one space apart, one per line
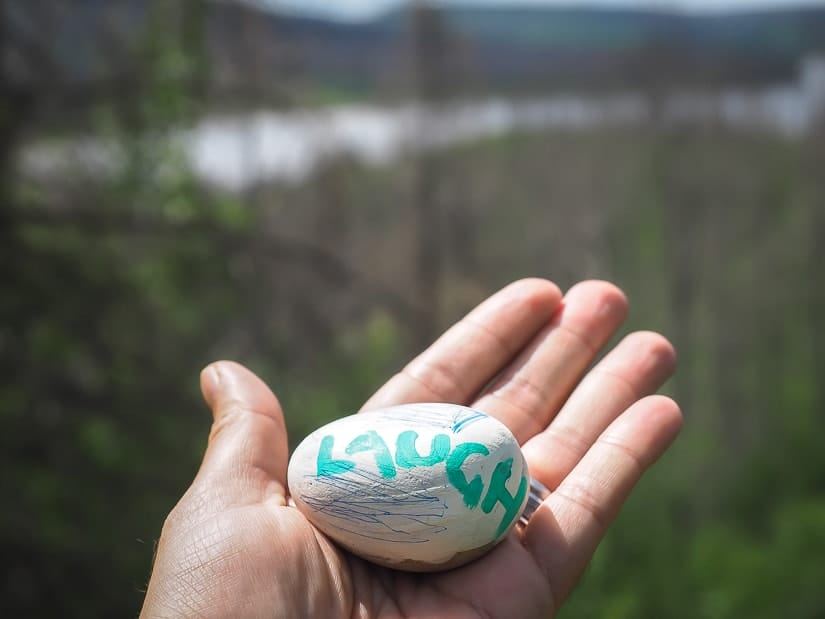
193 180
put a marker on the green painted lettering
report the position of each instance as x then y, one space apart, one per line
497 493
372 442
470 490
407 457
326 465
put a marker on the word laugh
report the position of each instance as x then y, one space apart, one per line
407 457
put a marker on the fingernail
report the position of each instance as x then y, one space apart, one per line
213 374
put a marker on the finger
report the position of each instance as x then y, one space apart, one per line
564 532
531 391
473 351
247 454
637 367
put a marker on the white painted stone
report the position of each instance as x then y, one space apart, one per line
419 487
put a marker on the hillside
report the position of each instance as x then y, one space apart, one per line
541 48
481 49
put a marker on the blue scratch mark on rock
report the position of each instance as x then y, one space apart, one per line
422 415
363 503
447 416
465 418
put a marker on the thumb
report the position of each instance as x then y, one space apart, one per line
247 453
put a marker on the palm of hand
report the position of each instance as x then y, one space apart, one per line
234 547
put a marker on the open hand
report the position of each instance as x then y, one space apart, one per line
233 547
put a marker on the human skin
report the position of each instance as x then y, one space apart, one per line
234 547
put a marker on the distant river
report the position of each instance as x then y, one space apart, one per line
238 151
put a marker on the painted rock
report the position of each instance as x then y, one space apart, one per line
420 487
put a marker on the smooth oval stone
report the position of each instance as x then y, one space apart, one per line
420 487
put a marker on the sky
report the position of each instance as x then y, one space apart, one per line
362 9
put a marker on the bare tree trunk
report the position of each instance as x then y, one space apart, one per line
15 109
429 49
816 292
429 260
